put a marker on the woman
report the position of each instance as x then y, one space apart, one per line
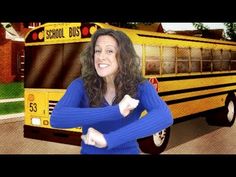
109 97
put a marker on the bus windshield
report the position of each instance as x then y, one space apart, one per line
52 66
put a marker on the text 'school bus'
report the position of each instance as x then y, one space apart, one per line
193 75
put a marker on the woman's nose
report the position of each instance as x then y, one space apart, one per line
102 55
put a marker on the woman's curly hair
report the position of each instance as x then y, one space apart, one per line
128 76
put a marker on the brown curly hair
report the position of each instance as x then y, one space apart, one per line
128 77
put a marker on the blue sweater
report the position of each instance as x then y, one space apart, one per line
121 133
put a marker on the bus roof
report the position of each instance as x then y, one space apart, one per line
72 32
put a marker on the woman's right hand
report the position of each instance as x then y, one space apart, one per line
127 104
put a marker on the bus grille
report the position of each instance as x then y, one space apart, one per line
51 105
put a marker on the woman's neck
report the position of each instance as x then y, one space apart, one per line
110 91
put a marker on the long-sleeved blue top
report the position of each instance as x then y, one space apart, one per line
121 133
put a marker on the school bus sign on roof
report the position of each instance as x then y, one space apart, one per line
63 32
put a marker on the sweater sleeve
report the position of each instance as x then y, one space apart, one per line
68 113
158 117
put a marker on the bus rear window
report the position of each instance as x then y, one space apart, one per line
52 66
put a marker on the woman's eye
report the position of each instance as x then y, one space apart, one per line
97 51
109 51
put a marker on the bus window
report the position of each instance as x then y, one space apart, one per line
233 60
225 60
138 49
195 60
216 60
43 66
182 60
71 62
206 60
152 60
168 64
52 66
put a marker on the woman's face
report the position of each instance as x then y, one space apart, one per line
105 57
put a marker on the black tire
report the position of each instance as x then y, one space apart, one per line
226 115
156 143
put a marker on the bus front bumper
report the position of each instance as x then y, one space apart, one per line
53 135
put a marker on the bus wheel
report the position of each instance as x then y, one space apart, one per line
226 115
155 144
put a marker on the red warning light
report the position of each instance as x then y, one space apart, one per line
34 36
85 31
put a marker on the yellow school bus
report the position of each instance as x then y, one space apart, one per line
192 75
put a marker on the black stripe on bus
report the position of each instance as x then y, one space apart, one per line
51 101
182 39
194 76
195 89
197 97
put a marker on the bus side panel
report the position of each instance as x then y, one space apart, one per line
197 106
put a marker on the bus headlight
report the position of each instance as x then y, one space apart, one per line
36 121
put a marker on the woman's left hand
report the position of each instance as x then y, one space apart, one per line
94 138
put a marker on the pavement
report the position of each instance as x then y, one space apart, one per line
190 137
